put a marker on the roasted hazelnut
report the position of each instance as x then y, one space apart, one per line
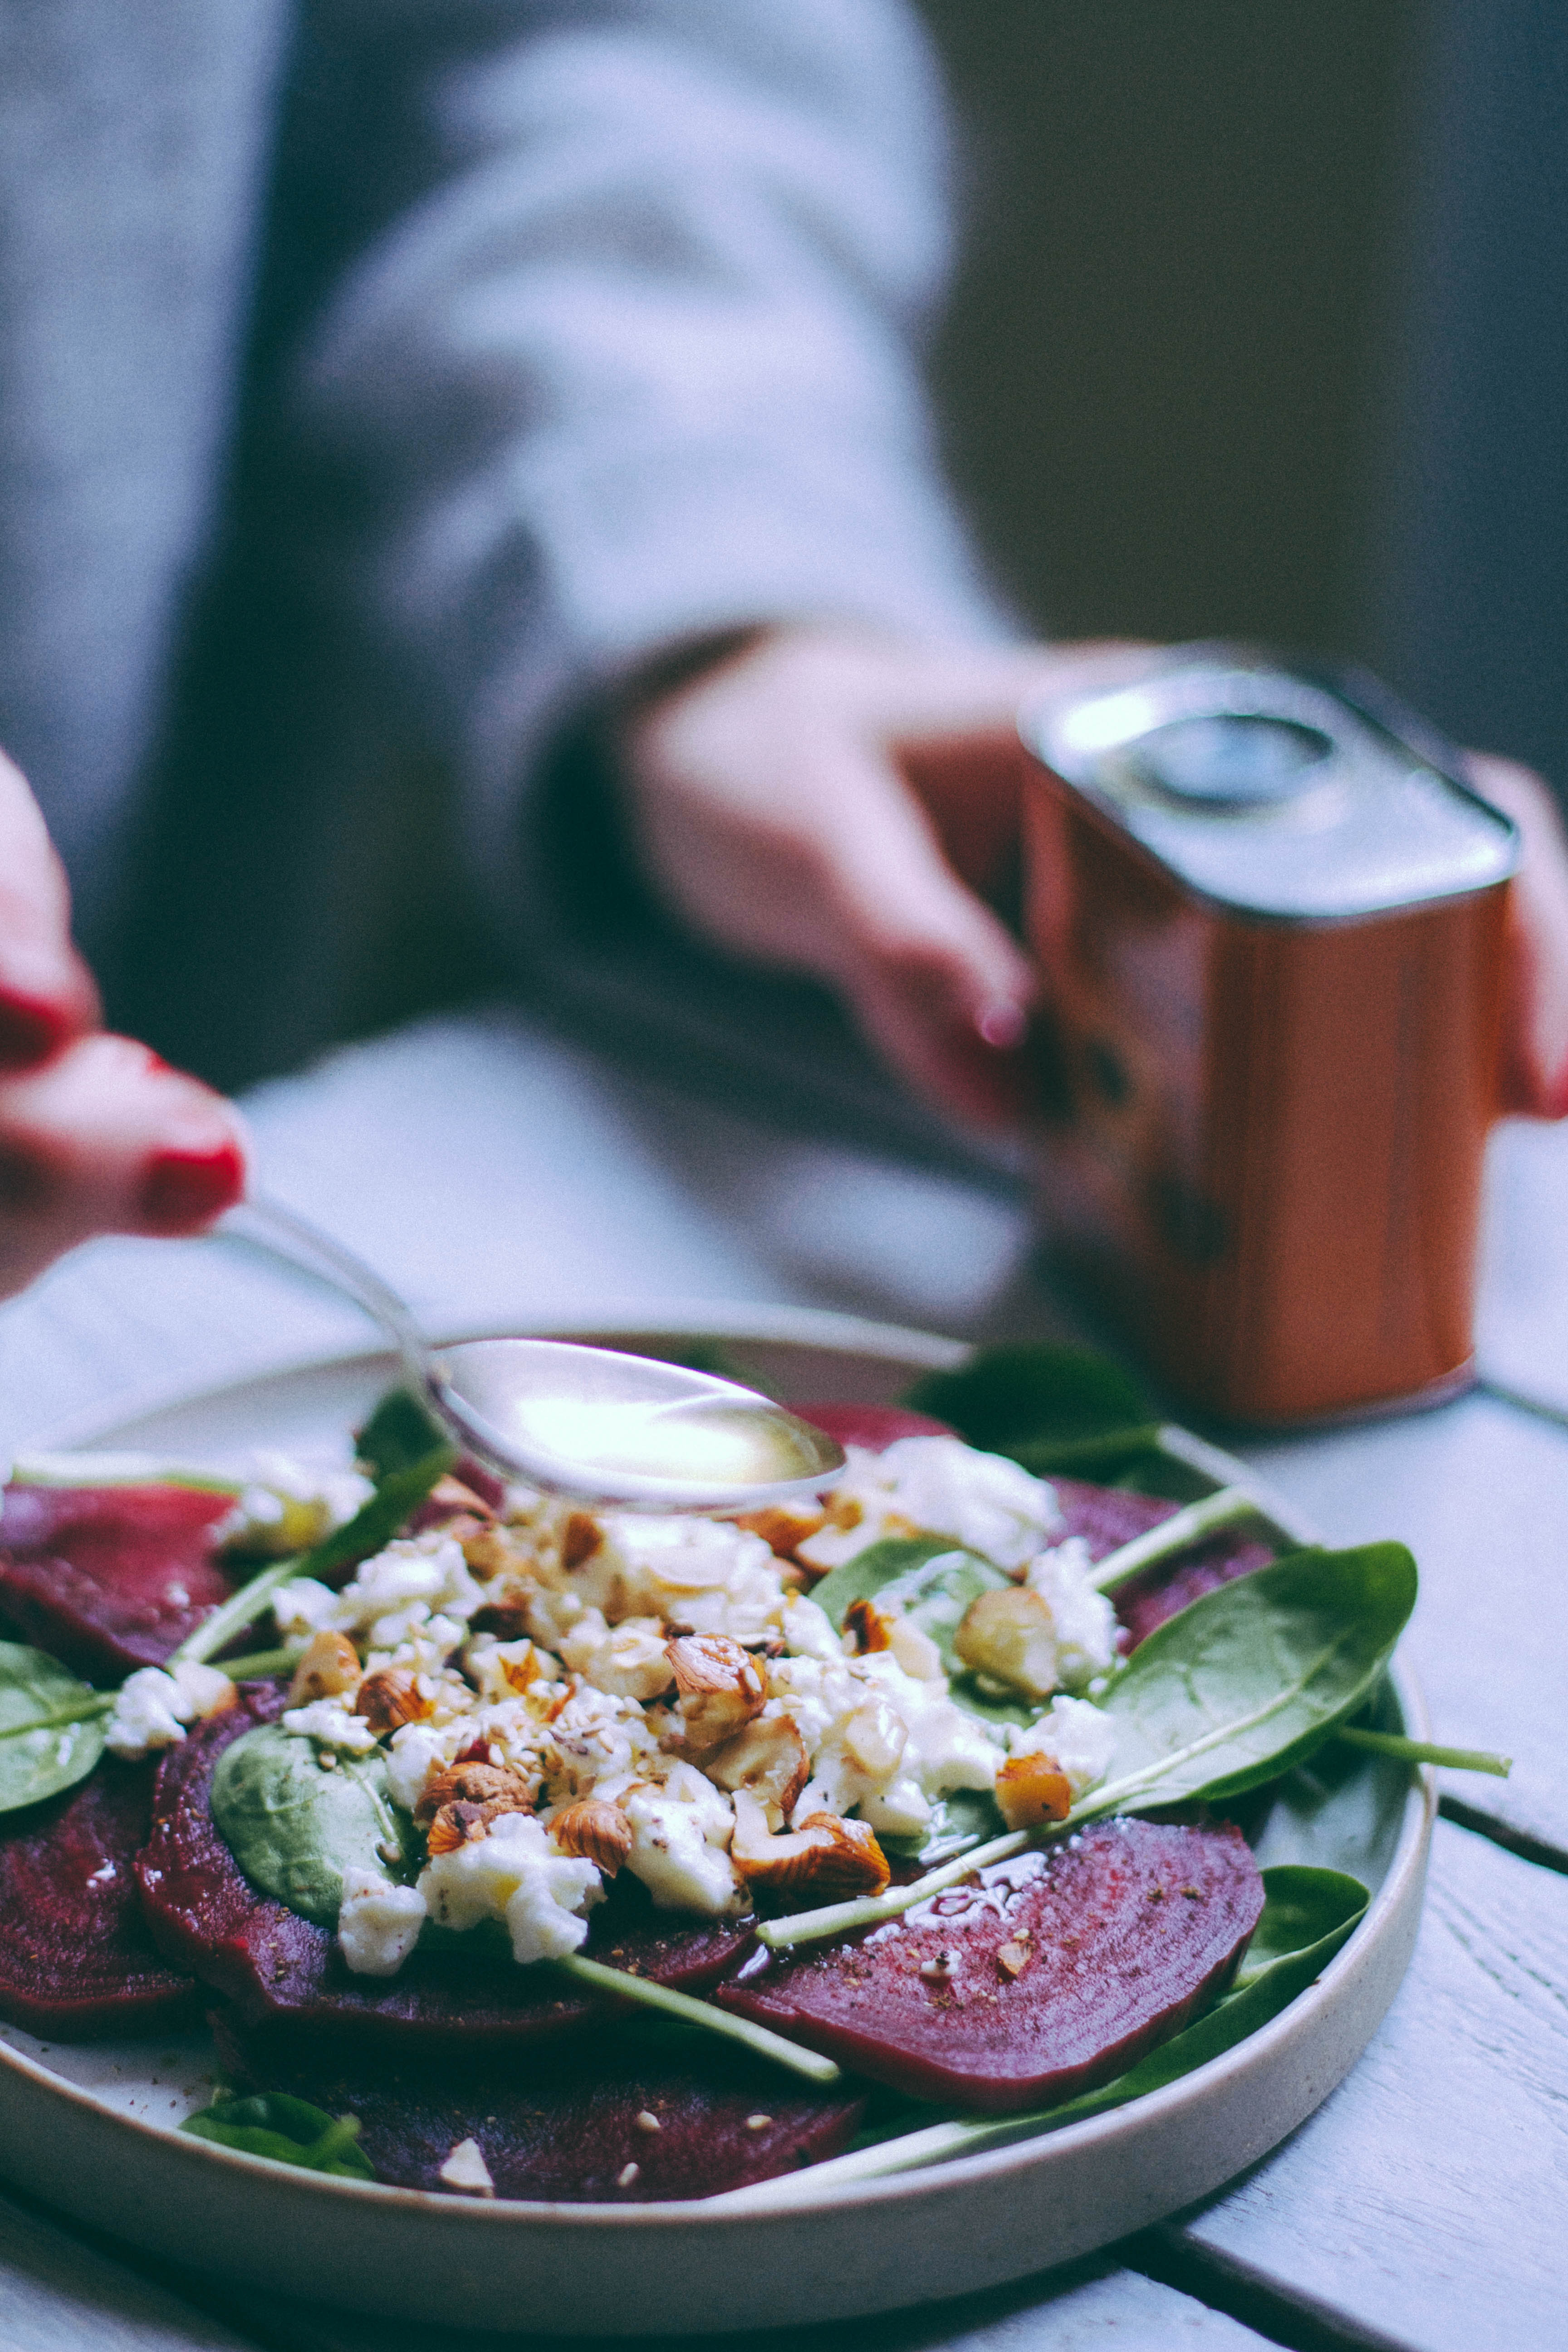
768 1760
390 1698
473 1784
1011 1636
781 1526
595 1829
824 1856
330 1668
1032 1789
721 1687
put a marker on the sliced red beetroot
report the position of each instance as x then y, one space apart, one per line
563 2123
272 1963
77 1960
1049 1974
1106 1518
873 1427
107 1578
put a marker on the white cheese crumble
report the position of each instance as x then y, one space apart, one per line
153 1707
283 1507
936 1486
378 1923
331 1725
1078 1737
680 1833
416 1580
516 1875
1084 1620
465 2169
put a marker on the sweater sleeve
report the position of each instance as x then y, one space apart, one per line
622 352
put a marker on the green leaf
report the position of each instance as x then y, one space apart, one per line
932 1582
372 1526
289 2130
294 1828
1006 1399
963 1818
54 1755
400 1430
1248 1680
928 1578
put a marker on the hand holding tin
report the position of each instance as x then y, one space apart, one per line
845 805
1533 1071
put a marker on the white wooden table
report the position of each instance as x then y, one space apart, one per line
491 1167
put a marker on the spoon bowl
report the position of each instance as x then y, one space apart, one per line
589 1423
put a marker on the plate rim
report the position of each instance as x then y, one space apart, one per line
792 2196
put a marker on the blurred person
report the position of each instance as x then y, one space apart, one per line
532 386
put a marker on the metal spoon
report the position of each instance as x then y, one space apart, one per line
590 1422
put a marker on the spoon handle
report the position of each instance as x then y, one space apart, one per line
289 1236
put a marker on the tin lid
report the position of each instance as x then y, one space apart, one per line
1265 790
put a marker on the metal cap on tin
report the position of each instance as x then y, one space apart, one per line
1264 790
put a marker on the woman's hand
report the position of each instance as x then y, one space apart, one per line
841 805
1533 1076
97 1136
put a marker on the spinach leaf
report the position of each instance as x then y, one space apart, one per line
963 1817
400 1430
294 1828
289 2130
930 1577
932 1582
67 1718
1061 1406
1249 1679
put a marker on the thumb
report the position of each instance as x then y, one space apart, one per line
105 1139
47 993
936 981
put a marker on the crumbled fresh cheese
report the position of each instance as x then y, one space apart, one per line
1084 1619
466 2170
415 1581
378 1923
1079 1736
705 1574
936 1486
329 1724
680 1833
153 1705
879 1739
286 1507
516 1875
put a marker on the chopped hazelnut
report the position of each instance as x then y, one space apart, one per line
1032 1789
1011 1636
390 1698
473 1784
721 1687
825 1856
329 1669
768 1760
594 1829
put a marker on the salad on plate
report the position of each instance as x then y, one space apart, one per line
514 1849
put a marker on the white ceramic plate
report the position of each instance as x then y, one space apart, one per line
91 2127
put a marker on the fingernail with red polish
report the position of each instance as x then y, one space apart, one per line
186 1188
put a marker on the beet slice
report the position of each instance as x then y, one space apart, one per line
77 1960
206 1916
562 2123
872 1425
1120 1936
1107 1516
107 1578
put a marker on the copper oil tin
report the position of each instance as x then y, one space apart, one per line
1269 928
